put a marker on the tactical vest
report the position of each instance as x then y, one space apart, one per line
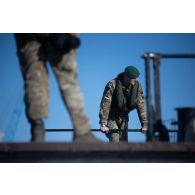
125 98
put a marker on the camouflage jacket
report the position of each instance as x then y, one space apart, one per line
108 106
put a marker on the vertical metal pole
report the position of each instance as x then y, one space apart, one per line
156 65
148 100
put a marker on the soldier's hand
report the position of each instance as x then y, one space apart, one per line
104 129
144 130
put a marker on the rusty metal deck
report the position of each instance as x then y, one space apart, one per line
105 152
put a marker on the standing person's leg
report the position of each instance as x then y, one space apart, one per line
65 68
35 84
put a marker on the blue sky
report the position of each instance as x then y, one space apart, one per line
100 58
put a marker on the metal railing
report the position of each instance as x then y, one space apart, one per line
94 130
172 133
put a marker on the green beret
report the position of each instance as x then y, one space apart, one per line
132 72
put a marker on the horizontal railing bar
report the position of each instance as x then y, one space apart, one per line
98 130
152 55
94 130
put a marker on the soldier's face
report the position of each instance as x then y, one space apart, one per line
132 81
129 81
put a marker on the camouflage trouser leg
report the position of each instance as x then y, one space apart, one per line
35 80
117 136
113 136
65 69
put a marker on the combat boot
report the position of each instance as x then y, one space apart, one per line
86 138
37 131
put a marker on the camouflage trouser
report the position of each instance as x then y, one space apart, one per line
117 136
33 56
